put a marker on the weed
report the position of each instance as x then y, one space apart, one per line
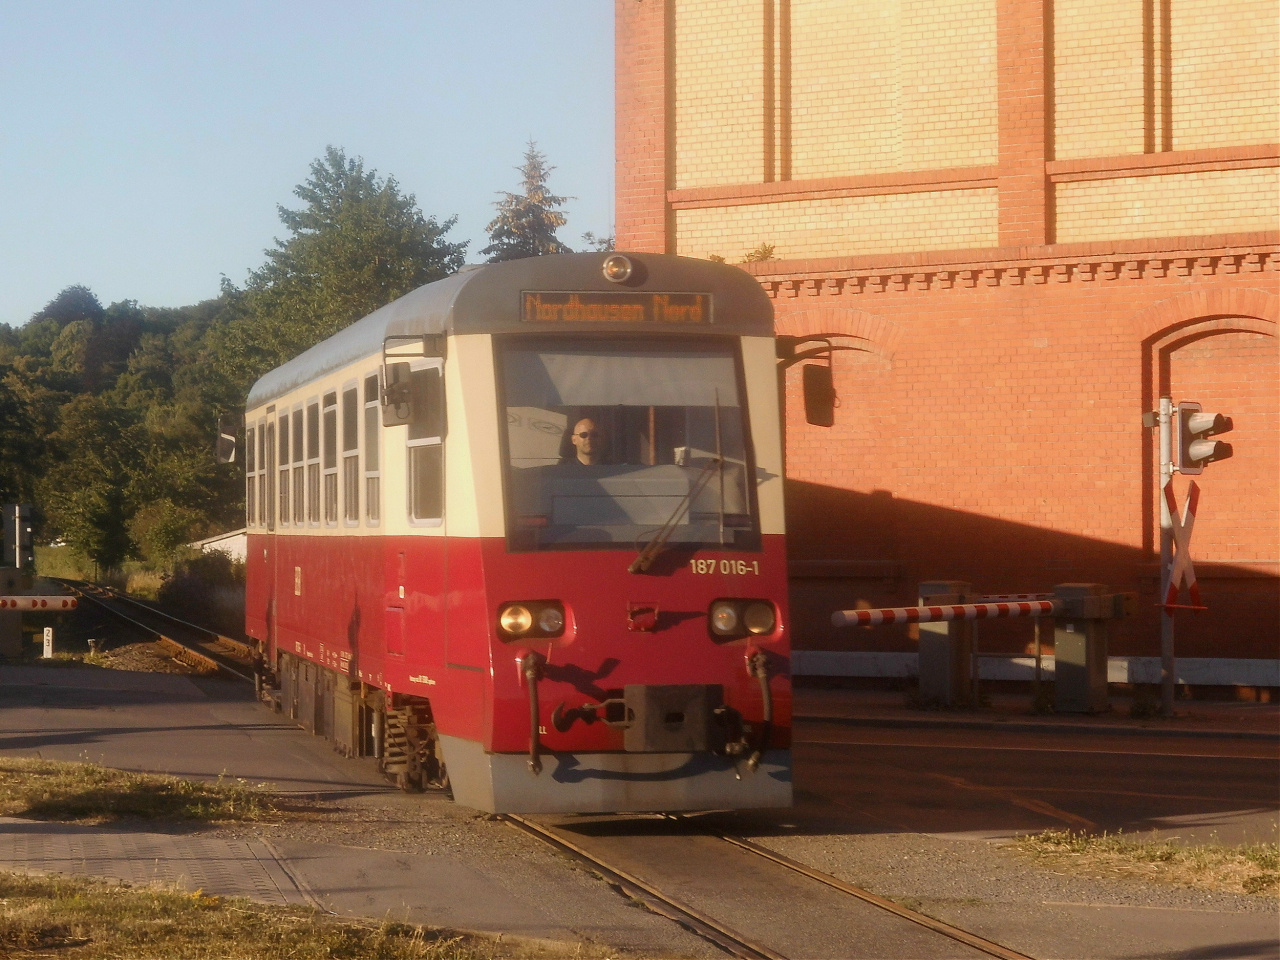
1252 868
94 920
50 790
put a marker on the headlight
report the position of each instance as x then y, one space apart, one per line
617 268
551 620
724 618
759 618
515 619
531 620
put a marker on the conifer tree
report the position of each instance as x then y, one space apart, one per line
526 223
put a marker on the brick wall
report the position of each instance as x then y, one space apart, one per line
1032 219
992 433
1207 202
1224 71
935 220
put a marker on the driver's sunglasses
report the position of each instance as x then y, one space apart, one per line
587 433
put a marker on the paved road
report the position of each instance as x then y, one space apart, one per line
883 801
996 783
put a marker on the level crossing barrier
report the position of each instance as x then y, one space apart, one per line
948 673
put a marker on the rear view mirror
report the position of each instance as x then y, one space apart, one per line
225 448
819 395
396 408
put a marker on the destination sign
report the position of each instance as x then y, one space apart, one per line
543 306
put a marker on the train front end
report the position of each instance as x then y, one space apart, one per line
617 630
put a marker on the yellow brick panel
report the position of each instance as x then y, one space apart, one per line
1225 72
719 92
946 57
842 226
1220 201
1098 78
845 118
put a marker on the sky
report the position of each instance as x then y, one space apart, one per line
144 147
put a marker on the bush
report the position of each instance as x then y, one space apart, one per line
208 590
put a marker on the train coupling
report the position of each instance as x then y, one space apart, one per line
669 718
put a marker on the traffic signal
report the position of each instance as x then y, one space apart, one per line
1192 429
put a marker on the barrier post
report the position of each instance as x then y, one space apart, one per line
11 581
1080 648
1044 630
946 649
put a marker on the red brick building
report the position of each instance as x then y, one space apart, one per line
1029 221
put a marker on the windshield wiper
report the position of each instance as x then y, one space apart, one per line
651 549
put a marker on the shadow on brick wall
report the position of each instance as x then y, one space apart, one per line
848 548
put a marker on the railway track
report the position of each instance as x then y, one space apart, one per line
208 650
196 646
734 942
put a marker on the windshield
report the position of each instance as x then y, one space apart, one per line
607 442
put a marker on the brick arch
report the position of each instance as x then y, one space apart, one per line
1243 309
1164 327
880 334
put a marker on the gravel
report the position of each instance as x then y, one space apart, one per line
971 872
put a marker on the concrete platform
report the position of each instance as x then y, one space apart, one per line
228 868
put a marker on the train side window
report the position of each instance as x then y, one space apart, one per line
250 469
426 449
313 463
262 474
330 458
269 475
299 488
283 435
351 455
372 474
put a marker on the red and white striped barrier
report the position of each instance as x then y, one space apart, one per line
59 602
934 614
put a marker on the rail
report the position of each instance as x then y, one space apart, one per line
182 652
731 941
695 921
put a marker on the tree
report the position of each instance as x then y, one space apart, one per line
19 444
598 244
526 223
356 244
86 494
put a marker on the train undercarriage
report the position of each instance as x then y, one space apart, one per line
360 720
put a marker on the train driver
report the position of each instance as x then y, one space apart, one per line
588 441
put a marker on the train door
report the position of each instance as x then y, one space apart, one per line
422 625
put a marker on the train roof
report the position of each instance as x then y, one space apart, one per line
487 298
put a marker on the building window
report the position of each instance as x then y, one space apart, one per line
351 455
372 424
330 458
313 463
426 448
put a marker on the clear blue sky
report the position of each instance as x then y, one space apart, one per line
144 146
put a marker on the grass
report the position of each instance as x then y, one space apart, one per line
86 792
1252 868
83 919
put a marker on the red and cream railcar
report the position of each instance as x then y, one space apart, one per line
523 529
